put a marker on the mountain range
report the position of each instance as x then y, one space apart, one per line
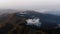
46 22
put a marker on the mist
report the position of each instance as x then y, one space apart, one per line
43 6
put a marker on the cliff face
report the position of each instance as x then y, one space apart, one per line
14 24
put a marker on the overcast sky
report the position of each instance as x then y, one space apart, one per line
30 4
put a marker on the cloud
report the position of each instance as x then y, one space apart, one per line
30 4
33 22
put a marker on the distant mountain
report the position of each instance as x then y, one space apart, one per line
6 11
48 20
53 12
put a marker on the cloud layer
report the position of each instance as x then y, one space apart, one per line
30 4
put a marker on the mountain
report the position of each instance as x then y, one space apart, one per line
54 12
47 22
40 21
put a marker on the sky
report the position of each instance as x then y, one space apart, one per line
30 4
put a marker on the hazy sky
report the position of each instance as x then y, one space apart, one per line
30 4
